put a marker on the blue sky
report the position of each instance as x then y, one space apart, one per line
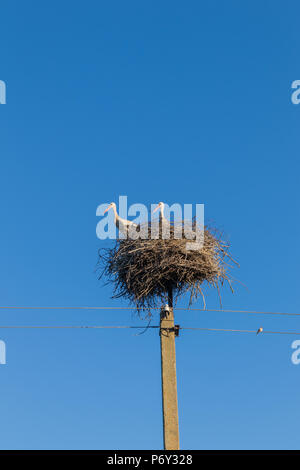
160 101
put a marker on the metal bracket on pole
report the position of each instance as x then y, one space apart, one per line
176 330
165 312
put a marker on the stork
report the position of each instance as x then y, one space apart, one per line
122 224
161 206
164 224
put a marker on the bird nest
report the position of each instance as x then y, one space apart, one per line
147 271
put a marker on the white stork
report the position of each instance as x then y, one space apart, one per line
122 224
164 224
161 206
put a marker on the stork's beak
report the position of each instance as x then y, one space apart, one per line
107 209
156 208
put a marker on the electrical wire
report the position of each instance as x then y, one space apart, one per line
244 331
257 312
143 326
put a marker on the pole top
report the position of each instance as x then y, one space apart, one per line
165 310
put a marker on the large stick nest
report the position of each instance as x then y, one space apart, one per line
144 270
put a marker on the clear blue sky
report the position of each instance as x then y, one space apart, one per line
173 101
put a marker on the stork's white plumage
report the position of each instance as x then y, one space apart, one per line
122 224
164 224
161 206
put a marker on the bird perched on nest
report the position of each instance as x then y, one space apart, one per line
161 206
168 229
164 224
122 224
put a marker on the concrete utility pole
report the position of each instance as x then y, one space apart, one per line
168 376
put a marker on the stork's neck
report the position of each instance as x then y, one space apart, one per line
162 208
115 212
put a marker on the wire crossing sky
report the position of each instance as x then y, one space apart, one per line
140 327
133 308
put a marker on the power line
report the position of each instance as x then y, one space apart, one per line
63 308
140 327
244 331
73 326
257 312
